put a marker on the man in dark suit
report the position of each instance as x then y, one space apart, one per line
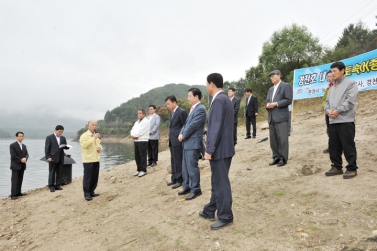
236 105
178 119
54 153
251 112
219 151
18 159
279 97
191 136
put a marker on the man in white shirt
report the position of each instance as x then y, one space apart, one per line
140 135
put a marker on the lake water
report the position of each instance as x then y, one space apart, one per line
36 173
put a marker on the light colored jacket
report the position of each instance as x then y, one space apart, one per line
154 122
89 146
141 130
342 97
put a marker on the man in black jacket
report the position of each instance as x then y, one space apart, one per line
54 153
18 158
236 103
251 113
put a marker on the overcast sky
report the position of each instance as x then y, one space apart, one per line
82 58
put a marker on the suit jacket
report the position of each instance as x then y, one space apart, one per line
252 107
176 124
52 149
192 130
16 154
283 97
154 132
236 105
220 142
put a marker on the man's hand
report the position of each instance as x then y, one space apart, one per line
98 149
49 159
180 137
97 135
271 105
207 156
333 114
23 160
134 138
256 114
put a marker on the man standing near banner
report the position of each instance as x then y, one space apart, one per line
330 79
341 109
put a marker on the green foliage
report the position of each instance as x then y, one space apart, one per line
239 86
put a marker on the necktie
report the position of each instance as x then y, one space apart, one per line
172 115
192 108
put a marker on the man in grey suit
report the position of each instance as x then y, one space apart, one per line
219 151
191 136
279 97
18 159
177 120
251 113
236 105
154 136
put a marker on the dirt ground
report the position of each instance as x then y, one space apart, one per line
275 208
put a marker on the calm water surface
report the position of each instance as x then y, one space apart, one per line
36 172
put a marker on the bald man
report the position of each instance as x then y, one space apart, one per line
90 144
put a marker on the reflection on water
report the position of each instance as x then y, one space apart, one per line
36 173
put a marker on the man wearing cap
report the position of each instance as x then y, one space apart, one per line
341 109
279 97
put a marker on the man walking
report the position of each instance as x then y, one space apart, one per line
219 151
90 144
191 136
236 105
341 109
18 159
54 153
140 135
154 136
177 120
279 97
251 113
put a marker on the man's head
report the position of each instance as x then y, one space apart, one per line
338 70
19 136
171 102
329 76
140 113
152 109
92 126
231 92
59 129
275 76
214 83
194 96
248 92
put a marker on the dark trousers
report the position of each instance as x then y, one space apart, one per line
176 153
190 170
253 121
90 179
342 139
54 174
235 133
141 148
17 178
152 151
327 128
279 139
221 196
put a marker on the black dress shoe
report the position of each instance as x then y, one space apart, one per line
52 189
176 185
95 194
14 197
171 183
183 192
22 194
204 216
58 188
88 198
274 162
254 136
282 162
153 164
218 225
192 196
248 137
149 164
